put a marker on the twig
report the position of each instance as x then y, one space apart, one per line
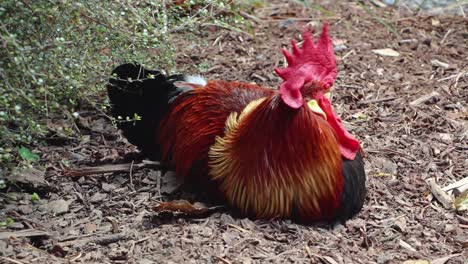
85 171
348 53
407 246
26 220
103 240
458 75
223 260
239 228
351 86
457 187
188 21
228 27
251 17
12 260
131 175
424 98
440 194
378 100
287 252
309 253
445 36
279 18
23 233
76 257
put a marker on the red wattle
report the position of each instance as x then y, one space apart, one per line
349 145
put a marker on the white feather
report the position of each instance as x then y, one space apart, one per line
195 79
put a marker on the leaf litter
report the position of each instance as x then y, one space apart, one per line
410 113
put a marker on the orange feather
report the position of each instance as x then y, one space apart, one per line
275 161
196 117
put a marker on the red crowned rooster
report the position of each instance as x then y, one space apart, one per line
271 153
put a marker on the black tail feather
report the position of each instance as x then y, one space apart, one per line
137 93
354 189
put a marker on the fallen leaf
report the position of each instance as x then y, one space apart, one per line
386 52
105 51
446 137
461 203
170 183
417 261
400 224
407 246
101 125
383 174
90 228
27 155
443 259
440 64
328 260
360 116
108 187
183 207
29 176
462 240
98 197
58 207
230 237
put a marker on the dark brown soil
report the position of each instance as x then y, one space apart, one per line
109 218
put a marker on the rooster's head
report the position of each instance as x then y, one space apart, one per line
307 79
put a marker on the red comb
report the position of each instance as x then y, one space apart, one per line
312 62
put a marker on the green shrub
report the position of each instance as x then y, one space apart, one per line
56 55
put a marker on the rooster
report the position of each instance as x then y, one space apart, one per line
270 153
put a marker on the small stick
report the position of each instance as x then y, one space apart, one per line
347 54
424 98
378 100
249 16
223 260
239 228
23 233
309 253
455 185
12 260
76 257
103 240
440 194
278 18
458 75
445 36
131 175
85 171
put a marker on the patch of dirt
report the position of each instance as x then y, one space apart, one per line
410 113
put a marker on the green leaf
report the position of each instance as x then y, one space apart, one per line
27 155
35 197
7 223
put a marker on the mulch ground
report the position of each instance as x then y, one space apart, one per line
410 113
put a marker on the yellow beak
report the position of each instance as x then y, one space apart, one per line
313 105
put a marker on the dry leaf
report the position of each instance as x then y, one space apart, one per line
183 207
105 51
443 259
417 261
170 183
328 260
407 246
386 52
440 64
461 203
